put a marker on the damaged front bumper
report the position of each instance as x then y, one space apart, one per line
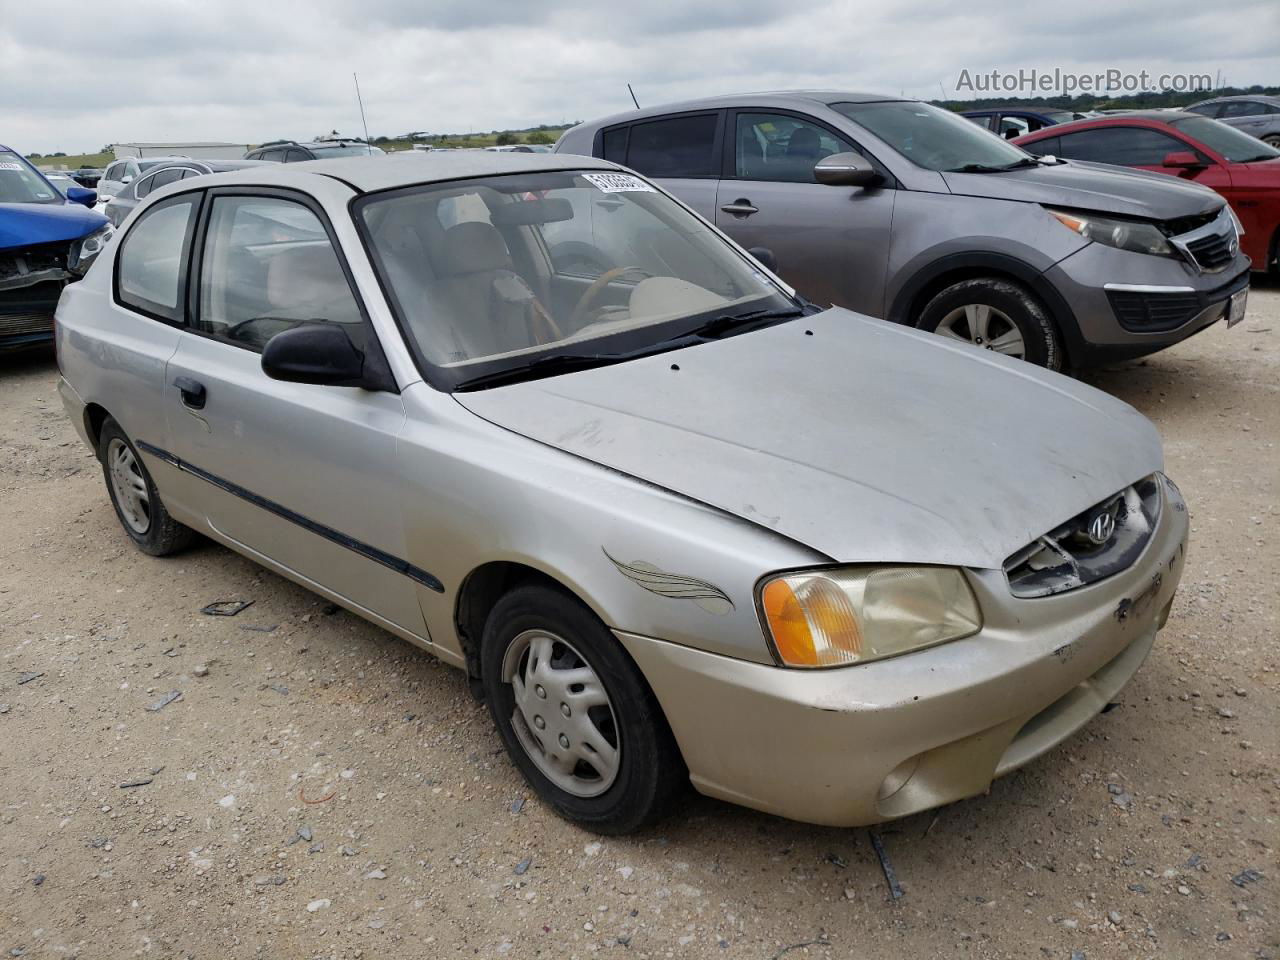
858 745
31 281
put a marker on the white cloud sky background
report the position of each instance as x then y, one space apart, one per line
250 70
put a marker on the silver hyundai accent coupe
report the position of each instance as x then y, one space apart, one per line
674 522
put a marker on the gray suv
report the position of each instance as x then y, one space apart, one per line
908 212
1257 116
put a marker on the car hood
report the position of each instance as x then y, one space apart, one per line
26 224
1091 186
864 440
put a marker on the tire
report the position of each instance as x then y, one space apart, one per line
134 496
536 632
1007 307
1272 139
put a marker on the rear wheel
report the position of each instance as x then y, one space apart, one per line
996 315
1273 140
575 714
135 498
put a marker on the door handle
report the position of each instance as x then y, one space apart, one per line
741 207
192 391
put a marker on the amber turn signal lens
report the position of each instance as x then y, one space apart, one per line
812 622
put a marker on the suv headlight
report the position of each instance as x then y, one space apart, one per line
842 616
1133 235
85 250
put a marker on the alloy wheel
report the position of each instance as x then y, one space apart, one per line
563 717
983 326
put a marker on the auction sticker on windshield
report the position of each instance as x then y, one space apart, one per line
617 183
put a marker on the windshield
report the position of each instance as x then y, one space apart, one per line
19 182
345 150
1235 147
493 274
930 137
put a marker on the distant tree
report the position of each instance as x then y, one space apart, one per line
505 139
34 156
540 136
58 154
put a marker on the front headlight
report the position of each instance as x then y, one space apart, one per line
842 616
85 250
1132 235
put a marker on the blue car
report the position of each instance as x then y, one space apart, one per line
47 240
1010 122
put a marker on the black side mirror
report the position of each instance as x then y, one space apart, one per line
320 353
846 170
766 258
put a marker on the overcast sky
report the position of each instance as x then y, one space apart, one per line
251 70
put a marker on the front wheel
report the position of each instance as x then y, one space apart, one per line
575 714
996 315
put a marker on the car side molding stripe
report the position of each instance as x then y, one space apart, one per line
417 574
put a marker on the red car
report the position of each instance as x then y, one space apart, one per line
1244 170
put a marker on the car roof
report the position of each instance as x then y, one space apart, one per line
766 98
1014 108
1145 117
405 168
1268 97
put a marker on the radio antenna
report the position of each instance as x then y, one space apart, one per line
368 146
633 96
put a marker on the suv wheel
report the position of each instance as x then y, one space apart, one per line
575 714
135 498
996 315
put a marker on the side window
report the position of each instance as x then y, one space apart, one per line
615 145
151 264
1042 148
1011 126
983 121
675 147
1242 108
114 172
781 148
158 180
1126 146
295 156
267 266
141 187
1206 109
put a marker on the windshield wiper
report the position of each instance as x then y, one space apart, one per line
557 363
717 327
988 168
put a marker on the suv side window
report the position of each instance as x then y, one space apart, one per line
268 265
295 156
614 145
114 172
675 146
1125 146
151 264
781 148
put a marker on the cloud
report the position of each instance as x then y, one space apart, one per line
246 70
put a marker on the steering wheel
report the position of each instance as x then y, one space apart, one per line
597 286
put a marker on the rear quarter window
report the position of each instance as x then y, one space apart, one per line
675 146
151 266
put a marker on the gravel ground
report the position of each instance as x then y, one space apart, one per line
322 789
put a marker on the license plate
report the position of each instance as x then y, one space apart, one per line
1235 309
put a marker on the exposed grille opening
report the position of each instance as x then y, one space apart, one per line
1103 540
1153 311
1212 252
1186 224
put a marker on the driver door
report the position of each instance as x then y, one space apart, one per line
301 476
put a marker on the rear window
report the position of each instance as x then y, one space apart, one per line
675 147
1235 146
